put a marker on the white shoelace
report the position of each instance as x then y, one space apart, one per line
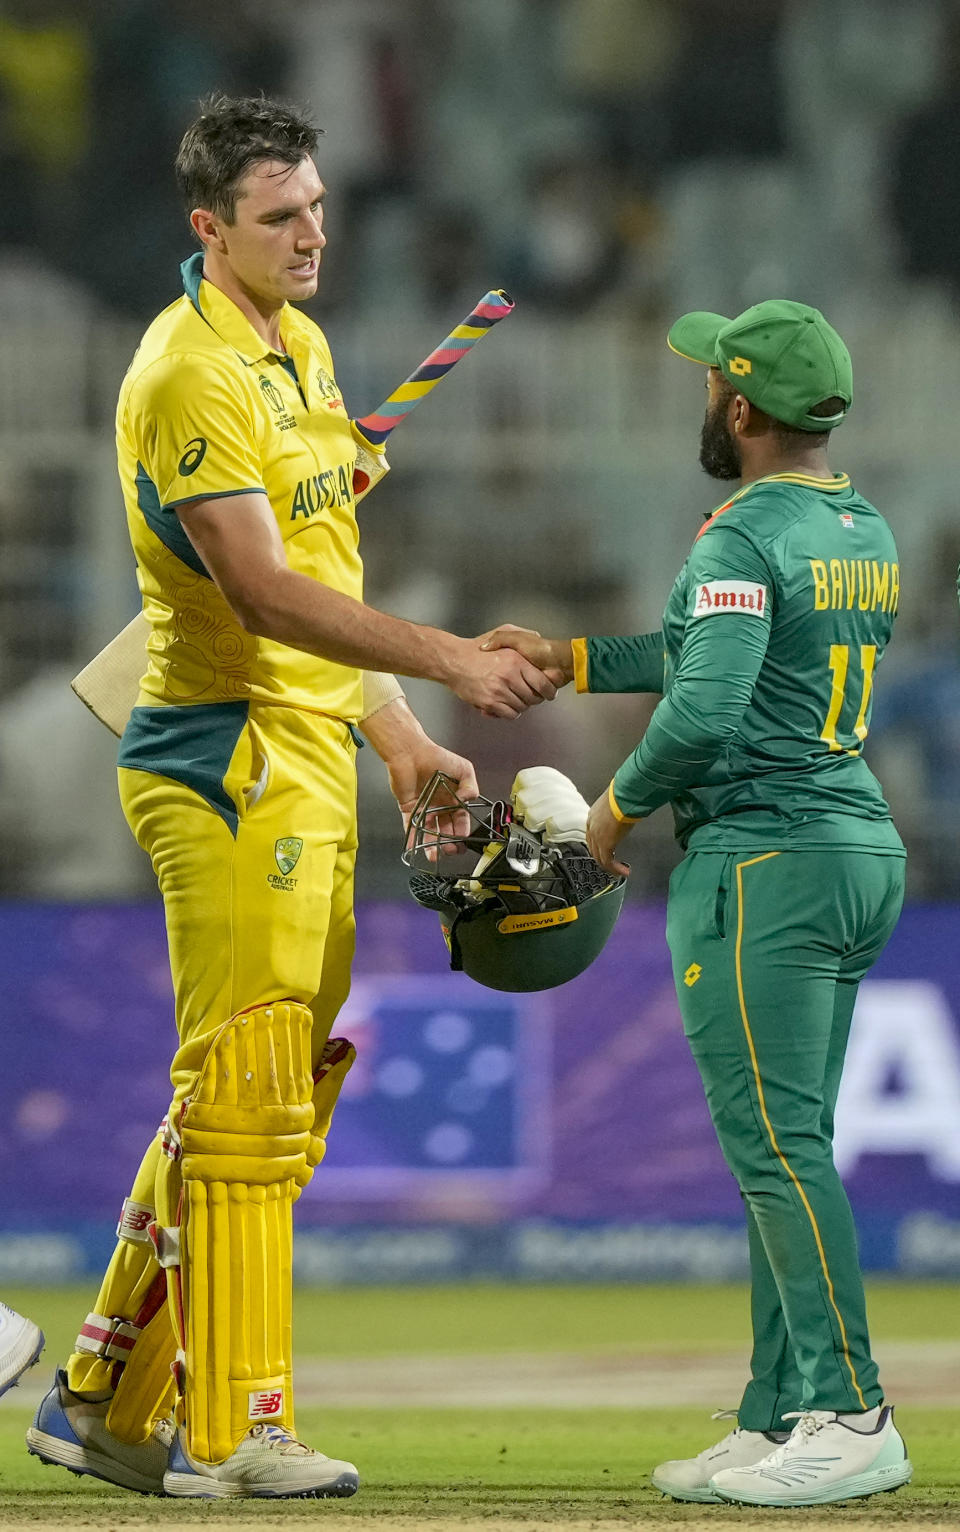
280 1438
165 1431
809 1422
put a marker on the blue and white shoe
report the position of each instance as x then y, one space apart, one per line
822 1461
269 1463
21 1343
71 1432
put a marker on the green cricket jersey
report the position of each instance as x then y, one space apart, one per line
771 640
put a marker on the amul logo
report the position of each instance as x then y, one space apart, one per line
730 596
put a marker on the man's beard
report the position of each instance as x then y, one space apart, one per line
719 453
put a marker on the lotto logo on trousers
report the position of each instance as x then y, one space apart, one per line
264 1405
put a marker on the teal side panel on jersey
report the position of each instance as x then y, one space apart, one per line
165 524
192 744
191 274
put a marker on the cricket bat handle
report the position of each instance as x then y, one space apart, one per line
370 432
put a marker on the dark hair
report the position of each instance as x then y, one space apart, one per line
789 436
231 134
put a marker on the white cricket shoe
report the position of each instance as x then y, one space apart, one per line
268 1463
21 1343
822 1460
689 1478
71 1432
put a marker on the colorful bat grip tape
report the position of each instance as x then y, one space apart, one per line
493 307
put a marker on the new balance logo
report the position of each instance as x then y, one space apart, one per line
134 1220
263 1405
731 596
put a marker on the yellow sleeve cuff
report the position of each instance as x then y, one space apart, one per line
617 812
579 647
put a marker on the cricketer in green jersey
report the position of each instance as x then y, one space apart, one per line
792 878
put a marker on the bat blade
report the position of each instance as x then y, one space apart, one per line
110 683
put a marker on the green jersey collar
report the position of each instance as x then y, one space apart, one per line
223 316
834 485
837 484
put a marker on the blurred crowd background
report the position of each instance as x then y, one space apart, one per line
611 163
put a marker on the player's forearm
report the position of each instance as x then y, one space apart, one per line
292 608
689 731
631 663
694 723
393 729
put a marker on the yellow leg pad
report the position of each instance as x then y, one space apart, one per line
335 1061
245 1133
146 1388
129 1277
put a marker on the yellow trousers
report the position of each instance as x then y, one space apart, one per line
254 856
263 912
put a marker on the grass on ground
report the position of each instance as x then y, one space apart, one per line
513 1467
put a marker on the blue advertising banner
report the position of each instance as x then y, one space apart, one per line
553 1136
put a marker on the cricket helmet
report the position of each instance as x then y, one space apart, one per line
522 903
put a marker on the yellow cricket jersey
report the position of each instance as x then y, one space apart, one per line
208 409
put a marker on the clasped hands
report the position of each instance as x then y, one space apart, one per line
553 659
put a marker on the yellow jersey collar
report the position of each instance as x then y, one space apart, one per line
222 314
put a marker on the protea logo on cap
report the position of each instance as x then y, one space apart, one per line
741 366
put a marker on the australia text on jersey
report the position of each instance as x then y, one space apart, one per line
323 490
864 583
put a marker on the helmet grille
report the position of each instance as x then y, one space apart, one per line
433 893
585 876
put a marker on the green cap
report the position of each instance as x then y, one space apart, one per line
782 356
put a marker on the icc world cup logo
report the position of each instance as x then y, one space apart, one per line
273 396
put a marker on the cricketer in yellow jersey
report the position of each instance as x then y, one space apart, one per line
237 778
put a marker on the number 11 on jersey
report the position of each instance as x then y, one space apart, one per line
839 666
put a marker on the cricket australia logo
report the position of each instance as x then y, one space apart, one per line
327 389
287 852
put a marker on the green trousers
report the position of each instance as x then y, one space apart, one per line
768 951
